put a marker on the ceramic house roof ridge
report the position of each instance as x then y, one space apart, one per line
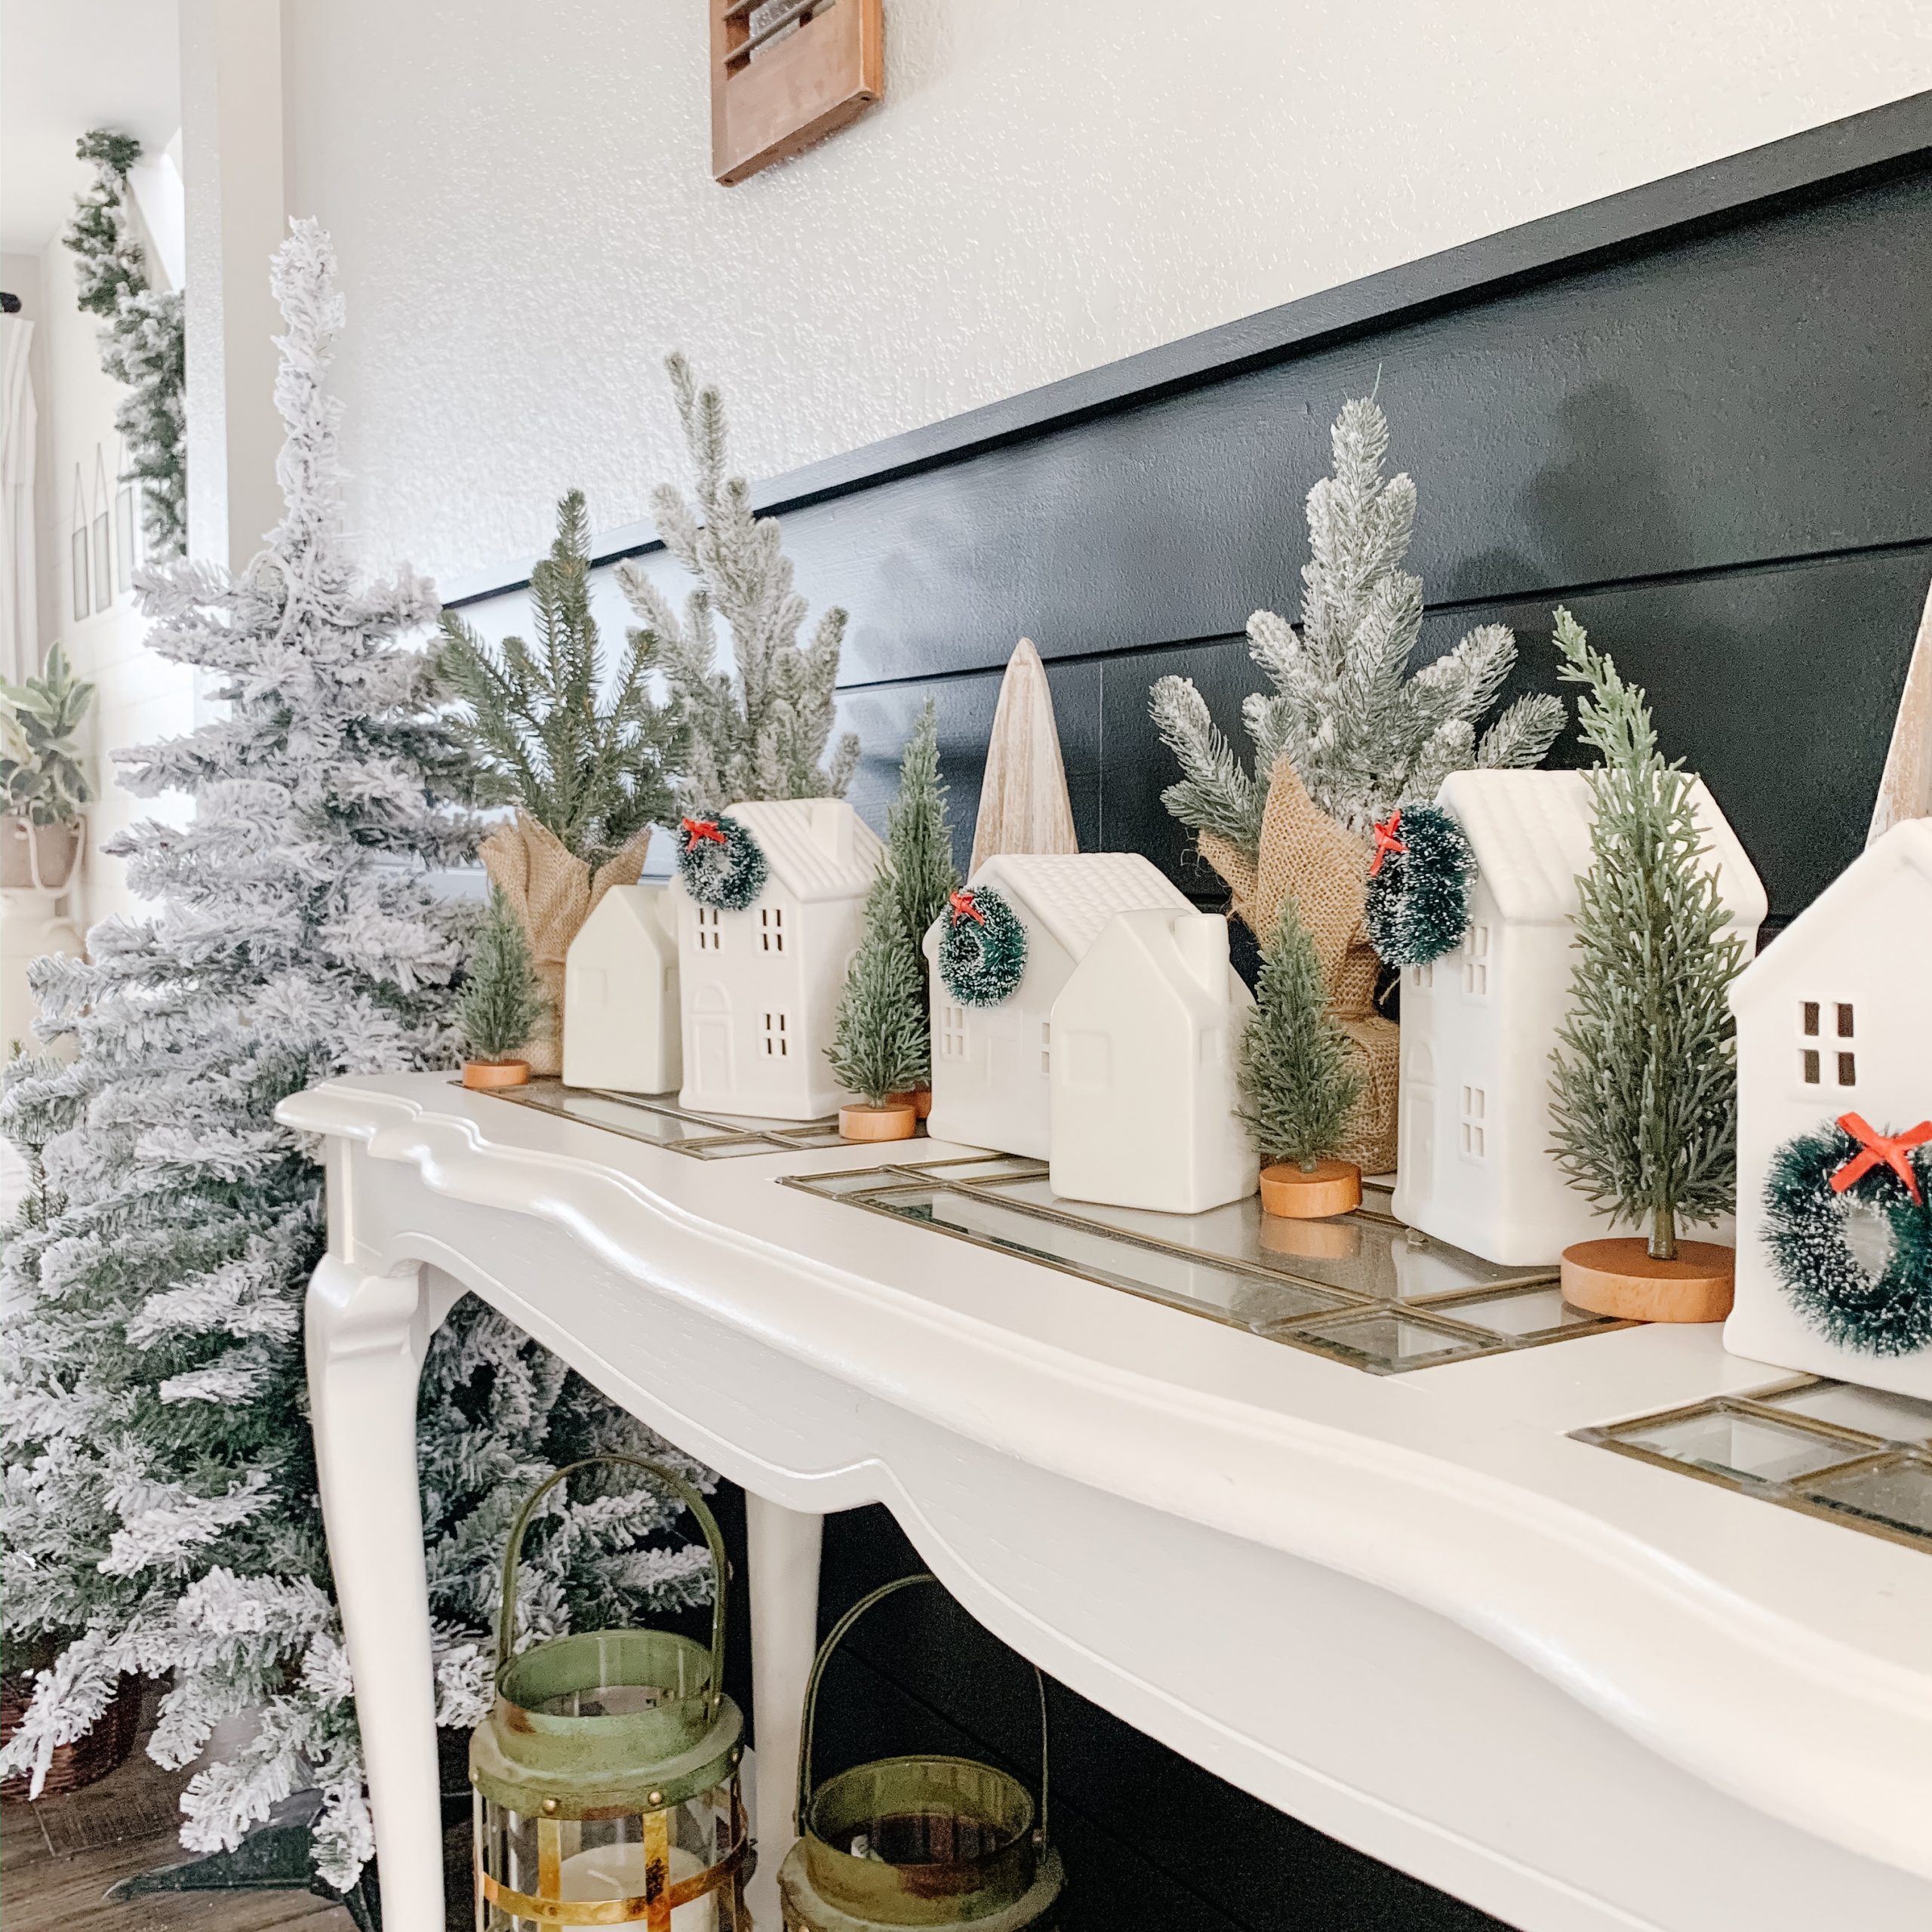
799 859
1906 846
1530 830
1073 894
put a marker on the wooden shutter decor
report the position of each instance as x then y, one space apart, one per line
785 73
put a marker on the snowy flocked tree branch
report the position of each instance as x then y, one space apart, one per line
1365 735
760 729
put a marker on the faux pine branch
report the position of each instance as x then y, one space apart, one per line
589 764
759 730
1644 1078
1364 734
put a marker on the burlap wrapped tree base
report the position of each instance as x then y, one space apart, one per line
554 892
1304 851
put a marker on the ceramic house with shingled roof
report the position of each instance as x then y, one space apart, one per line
1473 1166
992 1065
760 985
1831 1022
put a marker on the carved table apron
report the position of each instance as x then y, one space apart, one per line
1576 1691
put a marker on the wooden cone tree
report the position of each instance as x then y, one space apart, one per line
1905 791
1023 801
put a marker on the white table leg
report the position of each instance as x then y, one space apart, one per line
783 1545
367 1335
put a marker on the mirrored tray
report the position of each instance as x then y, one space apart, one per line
1361 1289
1857 1456
659 1120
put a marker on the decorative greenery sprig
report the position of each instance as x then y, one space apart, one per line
1363 733
40 777
142 343
590 765
1645 1080
1297 1076
760 730
500 1004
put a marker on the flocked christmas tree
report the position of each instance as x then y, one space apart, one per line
142 340
1297 1078
160 1507
585 757
1644 1091
759 730
1365 735
882 1044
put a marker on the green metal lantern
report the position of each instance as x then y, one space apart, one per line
606 1774
930 1842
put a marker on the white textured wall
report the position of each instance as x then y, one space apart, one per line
522 200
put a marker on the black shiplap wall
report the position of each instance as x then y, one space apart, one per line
1713 442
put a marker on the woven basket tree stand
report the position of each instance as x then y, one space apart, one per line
86 1760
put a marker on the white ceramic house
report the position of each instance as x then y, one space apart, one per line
621 1026
992 1085
1832 1021
760 985
1146 1112
1473 1166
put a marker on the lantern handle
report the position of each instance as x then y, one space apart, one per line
693 1500
824 1658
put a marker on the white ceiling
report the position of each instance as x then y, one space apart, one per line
66 66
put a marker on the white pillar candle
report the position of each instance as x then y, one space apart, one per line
616 1872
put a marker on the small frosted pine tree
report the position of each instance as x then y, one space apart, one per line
500 1003
759 730
918 836
1364 735
587 760
1297 1076
1644 1086
160 1513
142 340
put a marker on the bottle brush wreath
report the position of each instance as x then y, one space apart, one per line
1417 906
982 949
720 862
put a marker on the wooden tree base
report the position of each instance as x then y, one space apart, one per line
1311 1241
485 1075
892 1122
1310 1194
1618 1278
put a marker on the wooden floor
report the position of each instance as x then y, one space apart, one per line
57 1858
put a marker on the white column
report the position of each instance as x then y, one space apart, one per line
234 188
784 1547
367 1336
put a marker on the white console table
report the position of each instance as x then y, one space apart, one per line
1579 1692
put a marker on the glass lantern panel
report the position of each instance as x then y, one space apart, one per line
1730 1444
1876 1411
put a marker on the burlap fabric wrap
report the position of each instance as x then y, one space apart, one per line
1304 851
554 892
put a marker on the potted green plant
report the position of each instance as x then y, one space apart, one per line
501 1002
43 790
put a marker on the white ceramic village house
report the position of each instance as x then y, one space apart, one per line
1145 1111
760 985
1832 1021
1473 1167
621 1028
992 1065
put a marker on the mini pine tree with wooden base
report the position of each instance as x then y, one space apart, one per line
1297 1083
500 1003
1645 1084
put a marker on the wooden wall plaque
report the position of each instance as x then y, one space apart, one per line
784 75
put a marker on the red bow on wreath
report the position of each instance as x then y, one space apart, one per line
963 908
1876 1149
1385 842
696 830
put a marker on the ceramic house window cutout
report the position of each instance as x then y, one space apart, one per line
952 1032
759 1014
623 1028
1485 1031
1144 1110
1850 971
995 1090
